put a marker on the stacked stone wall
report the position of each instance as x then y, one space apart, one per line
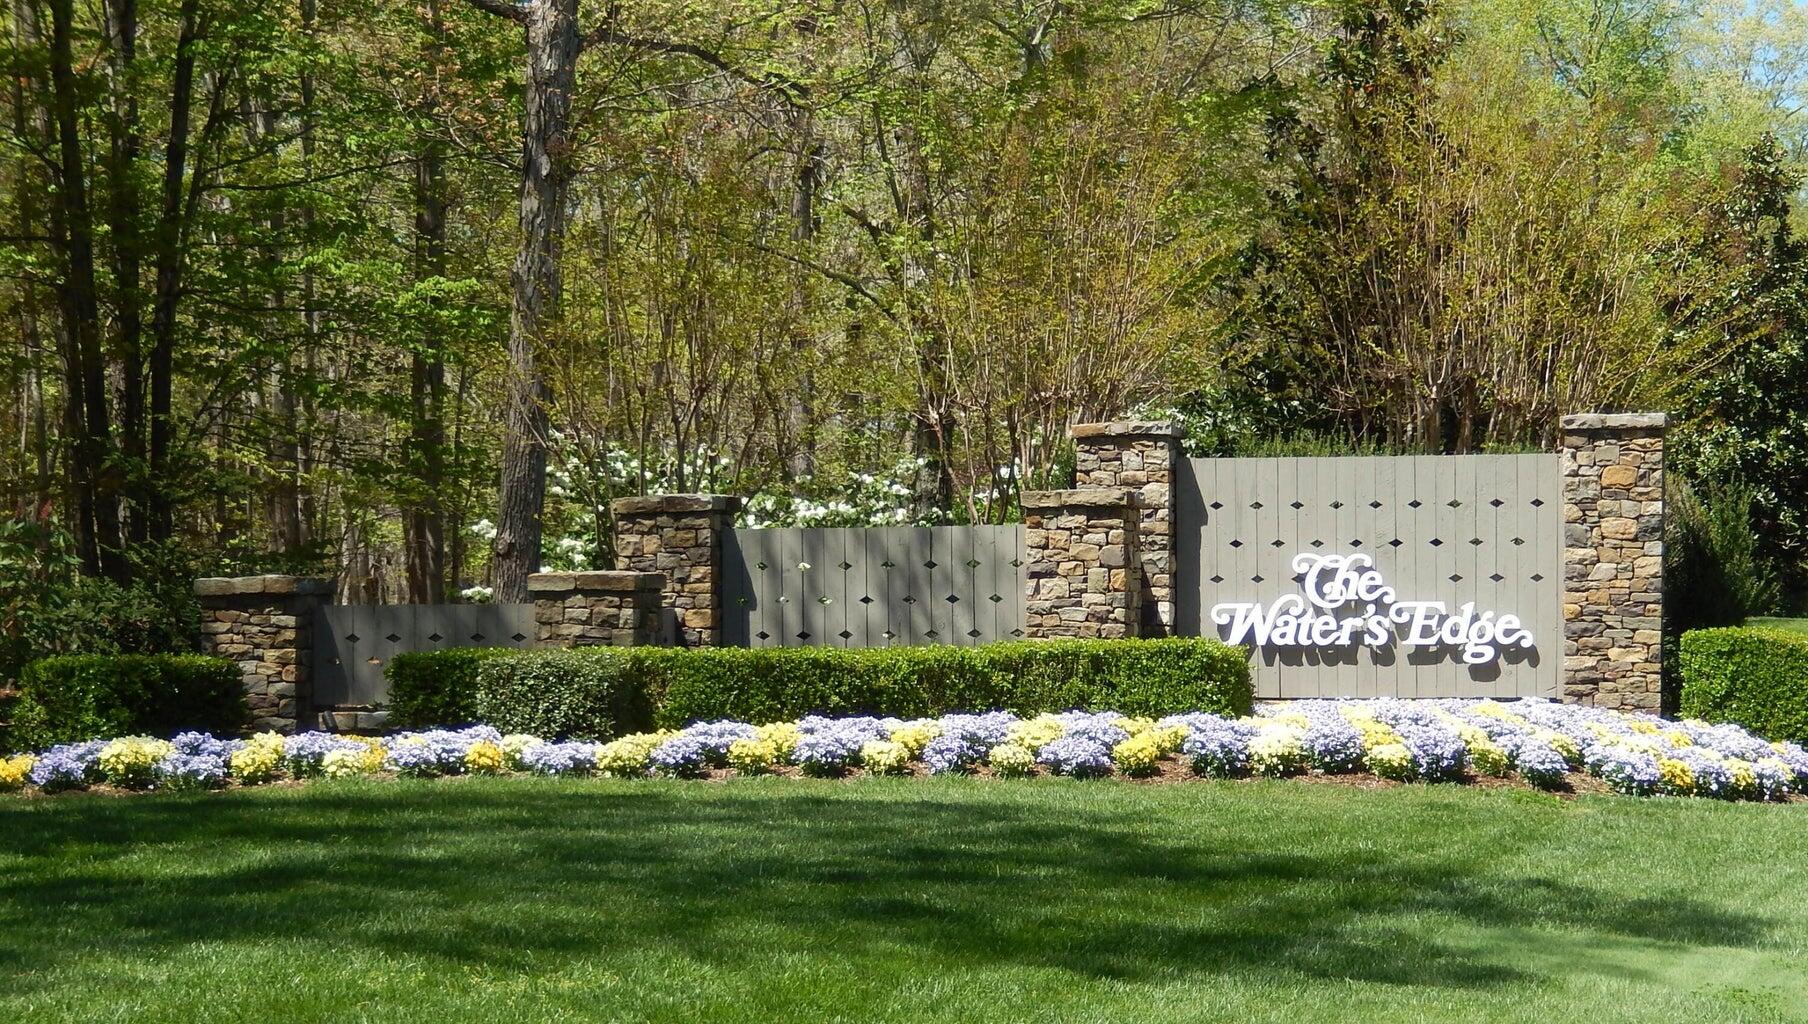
265 624
1083 574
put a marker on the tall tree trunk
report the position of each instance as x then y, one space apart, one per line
97 475
553 46
124 147
423 525
169 266
310 316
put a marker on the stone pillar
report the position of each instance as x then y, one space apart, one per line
1141 456
1613 560
596 609
681 536
1083 577
266 625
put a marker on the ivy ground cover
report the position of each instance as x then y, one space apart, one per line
887 900
1539 743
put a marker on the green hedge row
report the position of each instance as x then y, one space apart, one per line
599 692
429 688
1753 676
77 697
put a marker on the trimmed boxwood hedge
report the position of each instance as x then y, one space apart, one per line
600 692
77 697
1754 676
434 688
587 692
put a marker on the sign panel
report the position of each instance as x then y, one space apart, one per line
1414 576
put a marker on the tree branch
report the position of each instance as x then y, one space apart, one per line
607 34
501 9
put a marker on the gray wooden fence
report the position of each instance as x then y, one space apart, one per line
352 642
872 587
1481 528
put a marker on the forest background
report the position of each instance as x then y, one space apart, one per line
405 291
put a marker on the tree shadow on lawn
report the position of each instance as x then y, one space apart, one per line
507 877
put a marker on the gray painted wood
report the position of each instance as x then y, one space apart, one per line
1468 528
352 642
874 587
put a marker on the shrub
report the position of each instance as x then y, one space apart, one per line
589 693
89 696
1752 676
431 689
1135 677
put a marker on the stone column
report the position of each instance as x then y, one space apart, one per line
266 625
1141 456
681 536
1613 560
1083 577
596 609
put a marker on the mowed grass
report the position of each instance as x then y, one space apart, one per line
1793 625
967 900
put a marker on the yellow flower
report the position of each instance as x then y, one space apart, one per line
914 736
1036 733
259 760
1137 755
1012 759
343 764
13 771
884 757
783 736
485 758
752 756
132 761
628 756
1678 738
516 744
1390 761
1486 756
1677 776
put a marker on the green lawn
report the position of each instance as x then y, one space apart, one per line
1797 625
884 900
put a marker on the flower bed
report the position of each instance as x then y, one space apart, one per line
1537 742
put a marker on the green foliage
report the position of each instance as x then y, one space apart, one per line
1712 574
47 607
587 693
1754 677
1136 677
601 692
91 696
435 688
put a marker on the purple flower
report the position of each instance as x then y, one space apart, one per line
193 770
683 756
200 743
304 751
67 766
1081 756
1437 751
1538 762
1218 747
1626 770
560 758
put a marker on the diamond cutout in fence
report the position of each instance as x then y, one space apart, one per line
1538 577
1258 578
1255 504
1318 543
1517 541
518 637
825 601
889 635
351 638
1016 632
762 635
1236 543
929 564
1496 577
477 638
971 563
1475 542
1277 542
844 565
910 599
1374 504
1016 563
803 634
974 633
952 599
1456 577
434 637
1296 506
1337 504
845 635
1217 579
888 564
931 634
1415 503
743 602
1497 503
1453 503
394 638
866 600
784 599
1537 502
1356 543
1215 506
1436 543
1396 542
761 566
995 598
